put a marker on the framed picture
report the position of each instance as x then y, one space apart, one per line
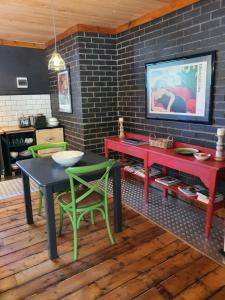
180 89
64 93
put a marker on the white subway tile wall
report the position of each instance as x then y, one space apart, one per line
12 107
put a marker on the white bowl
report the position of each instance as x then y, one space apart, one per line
202 156
14 154
53 123
53 119
67 158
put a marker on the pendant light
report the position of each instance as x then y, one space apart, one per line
56 62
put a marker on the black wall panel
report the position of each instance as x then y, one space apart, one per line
23 62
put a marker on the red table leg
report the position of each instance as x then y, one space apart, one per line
146 187
106 150
164 173
146 181
123 160
210 208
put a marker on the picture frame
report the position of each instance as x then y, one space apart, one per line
64 91
180 89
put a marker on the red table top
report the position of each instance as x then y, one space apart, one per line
210 163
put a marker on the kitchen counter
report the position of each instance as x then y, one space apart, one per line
14 129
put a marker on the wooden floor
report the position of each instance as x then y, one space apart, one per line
146 262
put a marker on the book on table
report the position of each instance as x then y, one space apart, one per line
133 142
138 169
203 196
167 180
187 190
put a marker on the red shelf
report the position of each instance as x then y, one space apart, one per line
174 188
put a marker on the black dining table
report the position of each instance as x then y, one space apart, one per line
51 177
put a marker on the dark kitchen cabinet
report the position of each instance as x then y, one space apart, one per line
2 168
16 142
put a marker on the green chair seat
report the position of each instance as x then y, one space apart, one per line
90 199
66 200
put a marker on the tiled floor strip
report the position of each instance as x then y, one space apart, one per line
14 187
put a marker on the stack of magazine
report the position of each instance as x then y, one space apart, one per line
188 190
203 196
133 142
138 170
167 180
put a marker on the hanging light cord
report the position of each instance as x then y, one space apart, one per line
53 19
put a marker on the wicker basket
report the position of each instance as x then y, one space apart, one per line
165 143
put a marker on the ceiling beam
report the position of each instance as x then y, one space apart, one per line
22 44
157 13
81 28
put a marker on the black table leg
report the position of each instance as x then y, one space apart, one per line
27 198
117 205
50 220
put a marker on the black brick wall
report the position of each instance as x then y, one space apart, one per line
195 29
73 123
98 71
93 67
107 75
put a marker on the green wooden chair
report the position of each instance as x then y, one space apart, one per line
91 198
34 151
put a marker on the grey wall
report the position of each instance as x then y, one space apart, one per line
23 62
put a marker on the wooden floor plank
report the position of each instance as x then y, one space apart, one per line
155 293
48 266
145 263
219 295
50 278
64 245
110 282
188 276
139 276
122 259
131 220
205 286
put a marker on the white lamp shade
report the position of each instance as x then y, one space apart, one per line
56 62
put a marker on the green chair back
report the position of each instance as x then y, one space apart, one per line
75 179
34 149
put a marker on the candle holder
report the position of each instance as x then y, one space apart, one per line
121 129
219 147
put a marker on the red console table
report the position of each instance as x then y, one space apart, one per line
208 171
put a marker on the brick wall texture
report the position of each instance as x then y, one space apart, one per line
107 76
92 60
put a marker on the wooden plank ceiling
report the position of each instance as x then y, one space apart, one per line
28 22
